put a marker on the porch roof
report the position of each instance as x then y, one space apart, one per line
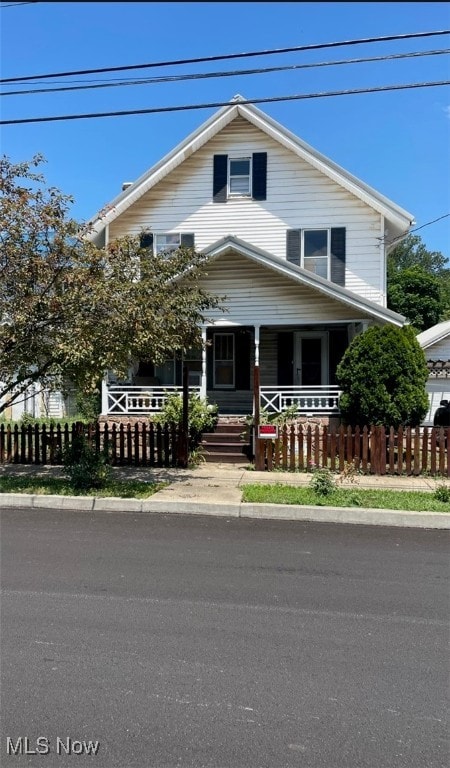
302 276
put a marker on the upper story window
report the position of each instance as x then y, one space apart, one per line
165 242
316 251
240 177
321 251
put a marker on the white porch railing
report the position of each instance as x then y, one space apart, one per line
126 399
314 400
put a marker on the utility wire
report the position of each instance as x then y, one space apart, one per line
187 107
410 231
269 52
233 73
14 5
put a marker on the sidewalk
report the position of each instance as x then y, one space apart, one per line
215 489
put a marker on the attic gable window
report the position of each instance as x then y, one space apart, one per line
240 177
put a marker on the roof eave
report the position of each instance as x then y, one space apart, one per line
368 194
400 218
169 162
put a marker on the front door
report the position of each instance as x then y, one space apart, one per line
310 359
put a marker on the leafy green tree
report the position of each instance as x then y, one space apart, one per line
70 310
383 375
416 294
418 283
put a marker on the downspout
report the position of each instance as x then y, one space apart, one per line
383 263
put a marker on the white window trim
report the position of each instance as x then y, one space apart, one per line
328 256
161 234
239 194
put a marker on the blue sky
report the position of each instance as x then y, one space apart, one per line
398 142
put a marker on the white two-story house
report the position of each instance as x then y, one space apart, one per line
297 246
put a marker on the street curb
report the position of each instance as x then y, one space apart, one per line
288 512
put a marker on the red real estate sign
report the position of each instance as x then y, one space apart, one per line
268 431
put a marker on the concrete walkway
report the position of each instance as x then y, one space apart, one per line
216 489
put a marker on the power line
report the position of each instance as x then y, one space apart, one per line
233 73
269 52
210 105
14 5
410 231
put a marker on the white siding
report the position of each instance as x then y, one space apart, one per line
261 296
439 351
298 196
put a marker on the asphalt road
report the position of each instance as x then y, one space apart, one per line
202 642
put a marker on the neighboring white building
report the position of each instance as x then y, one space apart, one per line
40 403
435 342
298 246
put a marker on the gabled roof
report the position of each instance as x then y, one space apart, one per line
304 277
399 218
432 335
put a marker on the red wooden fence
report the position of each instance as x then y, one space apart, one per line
141 444
377 451
405 451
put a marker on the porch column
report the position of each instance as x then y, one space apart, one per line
203 384
104 396
256 379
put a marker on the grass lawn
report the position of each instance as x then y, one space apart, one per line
126 489
407 501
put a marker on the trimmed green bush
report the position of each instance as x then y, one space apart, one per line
203 416
383 375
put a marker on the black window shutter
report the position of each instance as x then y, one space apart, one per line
338 255
293 240
146 240
285 359
187 239
259 176
220 178
242 359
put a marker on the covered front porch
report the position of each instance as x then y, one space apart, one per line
297 370
276 342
